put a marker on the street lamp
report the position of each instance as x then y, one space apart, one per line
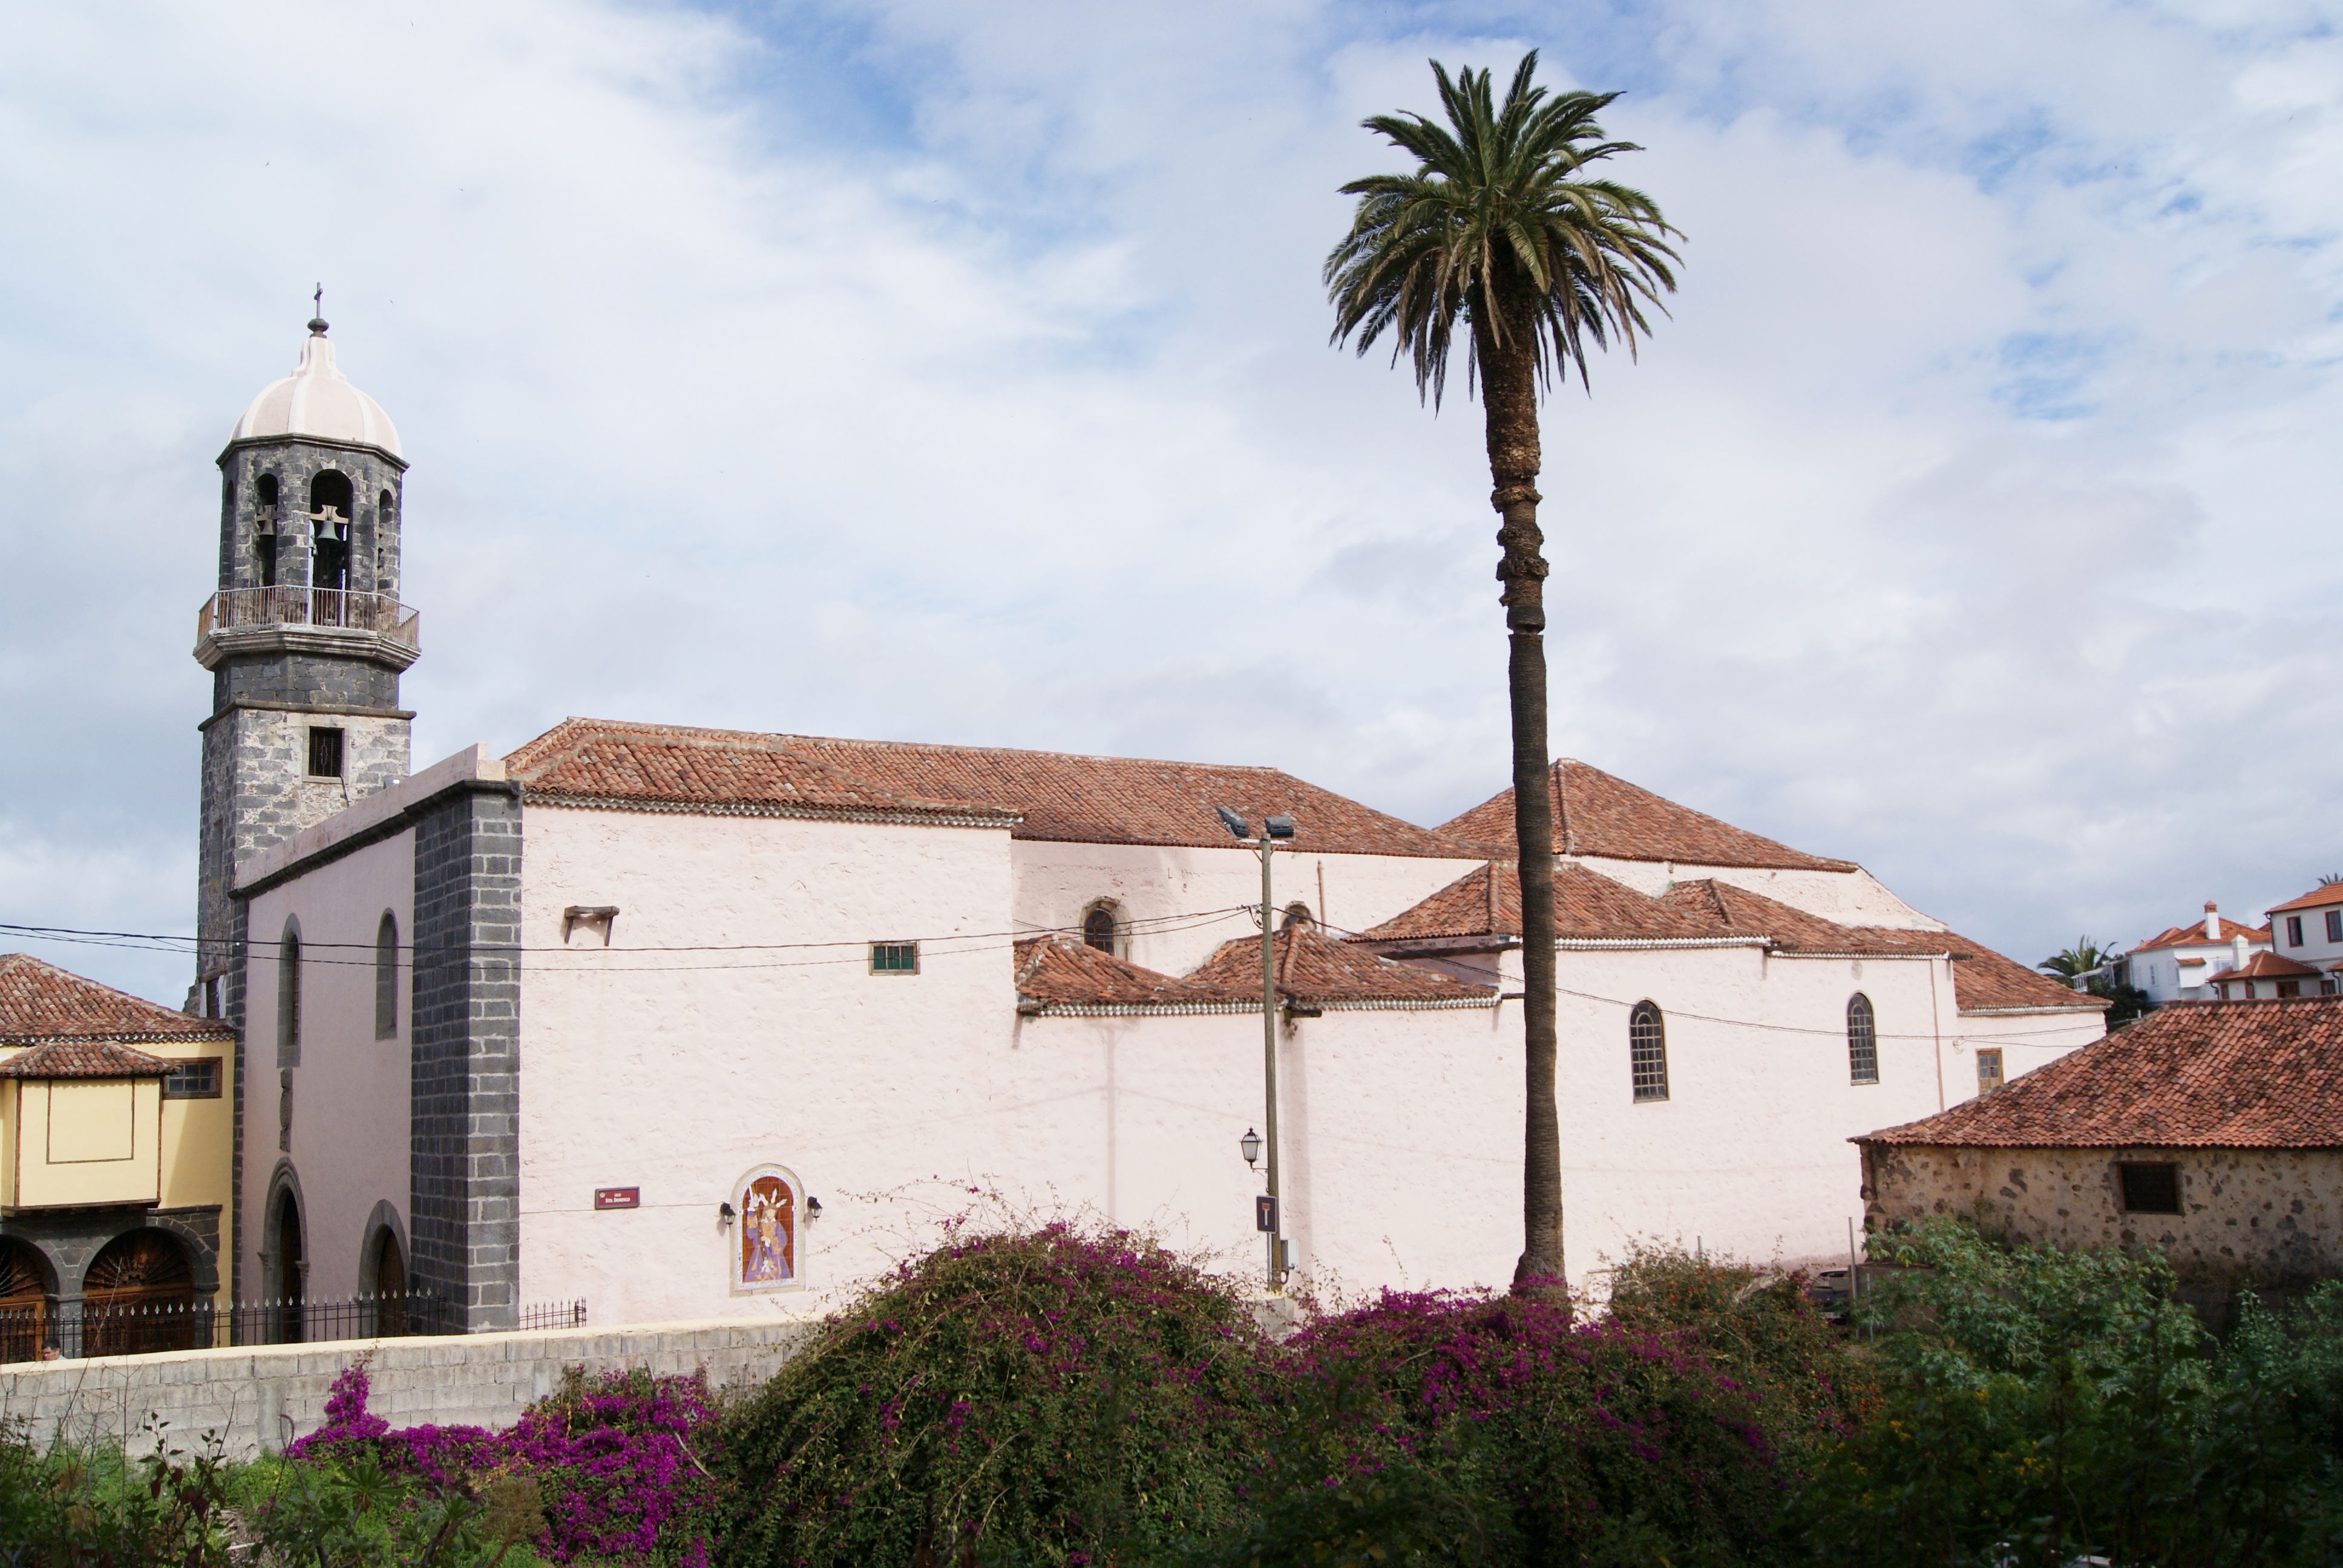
1274 830
1250 1146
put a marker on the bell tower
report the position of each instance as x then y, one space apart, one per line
306 637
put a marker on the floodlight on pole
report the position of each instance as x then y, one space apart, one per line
1236 824
1279 827
1274 830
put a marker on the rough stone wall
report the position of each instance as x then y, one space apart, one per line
258 1398
464 1133
305 680
2248 1213
373 555
255 793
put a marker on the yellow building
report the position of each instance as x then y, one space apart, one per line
117 1140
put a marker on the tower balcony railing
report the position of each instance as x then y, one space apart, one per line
294 605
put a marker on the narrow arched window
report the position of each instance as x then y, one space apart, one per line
1862 1040
385 977
1098 929
1647 1051
264 537
288 997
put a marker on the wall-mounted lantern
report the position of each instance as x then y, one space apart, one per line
1250 1146
724 1215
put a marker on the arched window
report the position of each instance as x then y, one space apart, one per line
288 997
331 488
385 977
385 514
265 490
1862 1040
1098 927
1295 914
387 1264
1647 1051
286 1276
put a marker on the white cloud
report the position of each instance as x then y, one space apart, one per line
912 370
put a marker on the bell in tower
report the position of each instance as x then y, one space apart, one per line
306 637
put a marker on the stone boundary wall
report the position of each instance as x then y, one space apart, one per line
260 1397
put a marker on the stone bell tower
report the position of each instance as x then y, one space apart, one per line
305 638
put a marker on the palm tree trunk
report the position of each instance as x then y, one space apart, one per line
1509 397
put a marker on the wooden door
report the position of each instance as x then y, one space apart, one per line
139 1295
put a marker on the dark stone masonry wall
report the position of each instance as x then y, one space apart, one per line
305 680
374 559
463 1218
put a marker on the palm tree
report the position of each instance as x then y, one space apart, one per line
1498 228
2080 960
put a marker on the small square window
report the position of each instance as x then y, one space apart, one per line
894 958
2149 1189
2289 987
198 1080
325 753
1988 1070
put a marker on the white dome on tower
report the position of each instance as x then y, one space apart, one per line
317 400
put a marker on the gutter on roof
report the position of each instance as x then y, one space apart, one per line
1599 944
10 1042
1298 1006
2028 1011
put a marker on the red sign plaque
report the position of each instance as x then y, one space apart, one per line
618 1197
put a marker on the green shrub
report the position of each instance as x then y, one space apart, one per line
1058 1397
94 1508
2037 1405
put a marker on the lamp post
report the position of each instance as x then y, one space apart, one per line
1274 830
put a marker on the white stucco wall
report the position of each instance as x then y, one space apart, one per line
1853 897
351 1092
2025 1039
1157 887
679 1073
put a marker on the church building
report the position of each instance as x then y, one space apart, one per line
678 1022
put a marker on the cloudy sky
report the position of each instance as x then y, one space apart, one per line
952 372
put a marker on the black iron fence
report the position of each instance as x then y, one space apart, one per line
88 1328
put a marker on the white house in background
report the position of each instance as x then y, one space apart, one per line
677 1021
2308 930
2175 965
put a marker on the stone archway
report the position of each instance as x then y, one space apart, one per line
23 1301
138 1295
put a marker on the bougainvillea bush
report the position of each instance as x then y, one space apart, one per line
1468 1427
617 1461
1063 1396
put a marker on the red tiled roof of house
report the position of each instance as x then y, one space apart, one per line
1984 981
2326 896
39 1002
2264 966
1061 971
84 1058
1055 795
583 760
2191 1075
1599 815
2192 935
1316 970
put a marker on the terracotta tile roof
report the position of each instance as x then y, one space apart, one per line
1063 972
650 765
2264 966
84 1058
1591 906
1487 901
1984 981
1316 970
1057 795
2192 935
2208 1075
40 1002
1599 815
2326 896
